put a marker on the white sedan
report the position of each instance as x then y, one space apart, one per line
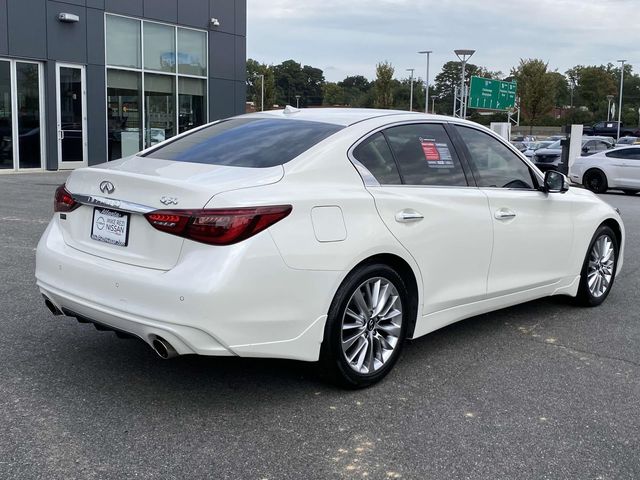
328 235
614 169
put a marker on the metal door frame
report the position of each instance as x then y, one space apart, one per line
59 132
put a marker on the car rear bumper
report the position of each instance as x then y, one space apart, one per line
238 300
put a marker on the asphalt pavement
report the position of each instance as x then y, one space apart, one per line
544 390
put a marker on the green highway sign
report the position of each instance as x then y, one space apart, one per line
488 94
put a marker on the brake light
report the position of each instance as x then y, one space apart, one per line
217 226
63 201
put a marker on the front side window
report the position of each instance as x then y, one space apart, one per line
375 155
630 153
425 155
246 142
493 164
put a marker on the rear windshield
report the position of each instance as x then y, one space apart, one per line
246 142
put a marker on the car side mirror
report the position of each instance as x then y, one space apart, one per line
555 182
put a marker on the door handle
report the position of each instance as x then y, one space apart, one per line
60 134
505 214
408 215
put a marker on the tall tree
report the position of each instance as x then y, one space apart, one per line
535 88
384 85
254 84
357 91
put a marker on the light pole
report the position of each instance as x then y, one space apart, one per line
621 85
411 94
426 88
463 55
609 100
433 104
262 93
297 101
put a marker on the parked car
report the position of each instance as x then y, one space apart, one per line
550 158
536 146
624 141
553 138
328 235
614 169
610 129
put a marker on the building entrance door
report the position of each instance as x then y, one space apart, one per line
72 116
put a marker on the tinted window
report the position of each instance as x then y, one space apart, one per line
425 155
375 155
630 153
246 142
493 164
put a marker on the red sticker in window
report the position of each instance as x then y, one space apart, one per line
431 153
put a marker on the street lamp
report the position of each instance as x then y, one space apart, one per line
262 93
609 100
426 89
411 94
297 101
463 55
621 85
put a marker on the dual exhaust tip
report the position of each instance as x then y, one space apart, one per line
159 344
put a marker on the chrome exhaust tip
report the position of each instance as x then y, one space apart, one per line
52 308
163 348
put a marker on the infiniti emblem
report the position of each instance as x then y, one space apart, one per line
107 187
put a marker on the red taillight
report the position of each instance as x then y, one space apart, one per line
63 201
219 226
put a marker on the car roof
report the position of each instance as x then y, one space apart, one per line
340 116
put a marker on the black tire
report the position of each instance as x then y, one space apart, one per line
585 297
333 363
630 192
596 181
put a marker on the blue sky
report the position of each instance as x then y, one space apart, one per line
349 37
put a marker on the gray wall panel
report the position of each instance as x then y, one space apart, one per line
165 10
240 97
240 59
221 55
67 42
81 3
27 24
4 38
222 95
95 36
241 17
125 7
51 115
96 115
99 4
193 13
223 10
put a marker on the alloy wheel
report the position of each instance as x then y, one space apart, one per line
371 325
601 265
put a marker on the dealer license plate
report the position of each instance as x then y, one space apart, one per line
110 226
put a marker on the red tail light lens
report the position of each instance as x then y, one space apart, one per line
63 201
217 226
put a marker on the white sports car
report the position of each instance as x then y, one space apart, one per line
613 169
328 235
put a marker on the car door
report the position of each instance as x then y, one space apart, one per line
425 201
532 230
625 164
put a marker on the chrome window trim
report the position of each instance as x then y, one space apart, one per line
123 205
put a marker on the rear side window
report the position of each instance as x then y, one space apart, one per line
375 155
246 142
630 153
425 155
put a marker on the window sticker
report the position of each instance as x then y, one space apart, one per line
437 155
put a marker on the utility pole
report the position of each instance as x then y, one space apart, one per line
411 94
426 89
620 105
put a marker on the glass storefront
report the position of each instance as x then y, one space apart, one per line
156 82
20 115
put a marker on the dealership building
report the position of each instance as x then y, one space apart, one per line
85 81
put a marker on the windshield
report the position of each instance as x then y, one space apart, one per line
555 145
246 142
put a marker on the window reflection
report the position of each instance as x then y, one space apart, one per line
160 111
123 42
192 103
159 47
6 143
123 114
192 52
28 92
